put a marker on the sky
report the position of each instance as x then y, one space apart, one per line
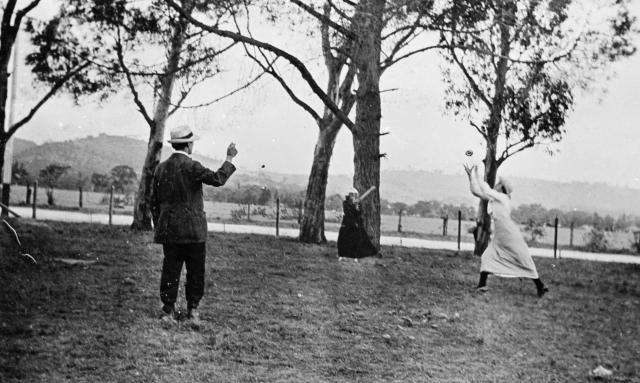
601 144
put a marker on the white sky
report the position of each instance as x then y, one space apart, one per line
601 145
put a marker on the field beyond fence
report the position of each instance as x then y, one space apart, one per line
412 226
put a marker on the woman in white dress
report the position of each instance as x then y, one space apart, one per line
507 254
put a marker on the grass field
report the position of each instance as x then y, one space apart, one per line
277 310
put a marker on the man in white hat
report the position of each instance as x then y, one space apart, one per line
179 219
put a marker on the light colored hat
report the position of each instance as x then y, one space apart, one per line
182 134
353 191
506 184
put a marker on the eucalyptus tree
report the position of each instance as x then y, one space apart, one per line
354 35
69 72
515 68
153 51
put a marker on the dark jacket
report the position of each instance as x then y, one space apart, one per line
353 241
176 198
352 216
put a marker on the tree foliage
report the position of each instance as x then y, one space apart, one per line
515 66
20 175
124 180
101 182
49 177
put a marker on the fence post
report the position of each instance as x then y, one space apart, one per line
571 235
400 221
111 206
80 197
29 191
300 213
445 224
459 227
555 238
249 211
35 199
277 217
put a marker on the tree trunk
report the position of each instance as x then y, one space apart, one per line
366 134
312 224
491 139
142 205
484 220
312 221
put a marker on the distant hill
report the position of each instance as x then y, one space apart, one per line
410 186
100 154
20 145
89 155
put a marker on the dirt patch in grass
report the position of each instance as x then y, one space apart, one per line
278 310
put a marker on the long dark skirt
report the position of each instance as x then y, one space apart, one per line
354 242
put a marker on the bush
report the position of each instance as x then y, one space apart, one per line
238 214
535 229
261 211
596 240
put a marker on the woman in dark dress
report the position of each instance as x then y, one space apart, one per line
353 241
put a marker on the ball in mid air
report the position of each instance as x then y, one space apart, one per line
263 166
469 153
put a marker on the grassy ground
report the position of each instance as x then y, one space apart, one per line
277 310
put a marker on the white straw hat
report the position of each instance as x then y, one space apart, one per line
182 134
506 184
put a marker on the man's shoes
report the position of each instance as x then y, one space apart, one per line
167 314
193 316
542 291
482 289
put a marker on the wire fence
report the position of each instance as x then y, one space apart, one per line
445 228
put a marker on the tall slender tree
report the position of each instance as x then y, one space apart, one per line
367 27
56 76
153 51
515 67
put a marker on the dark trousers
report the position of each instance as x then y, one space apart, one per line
175 254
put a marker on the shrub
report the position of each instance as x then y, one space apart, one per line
535 229
596 240
238 214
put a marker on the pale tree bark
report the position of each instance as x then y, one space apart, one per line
312 223
141 213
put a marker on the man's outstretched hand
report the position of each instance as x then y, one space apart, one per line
231 151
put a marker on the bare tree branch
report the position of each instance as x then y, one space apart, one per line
505 154
229 94
388 63
302 69
324 19
132 87
270 69
338 10
52 91
472 81
479 129
20 14
401 42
